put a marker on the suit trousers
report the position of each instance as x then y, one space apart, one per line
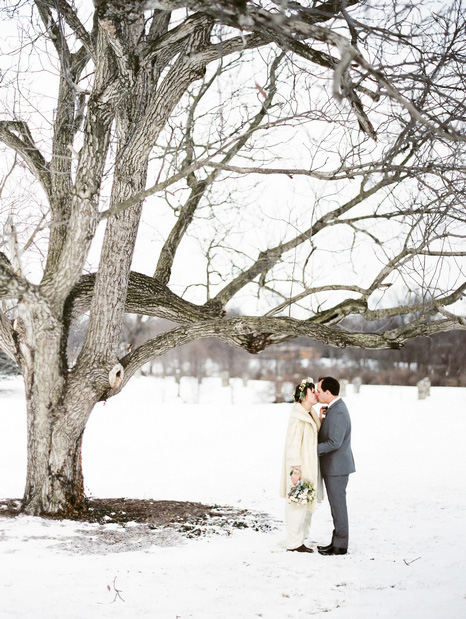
336 492
298 521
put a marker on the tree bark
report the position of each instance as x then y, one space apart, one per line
56 419
58 407
54 481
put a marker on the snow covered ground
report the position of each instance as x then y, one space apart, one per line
407 511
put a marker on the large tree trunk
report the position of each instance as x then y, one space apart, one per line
58 407
54 483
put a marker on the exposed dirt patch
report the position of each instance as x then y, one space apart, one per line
138 524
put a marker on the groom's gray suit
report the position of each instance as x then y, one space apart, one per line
336 463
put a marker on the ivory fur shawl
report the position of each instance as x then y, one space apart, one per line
301 450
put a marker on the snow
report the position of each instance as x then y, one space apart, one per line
406 502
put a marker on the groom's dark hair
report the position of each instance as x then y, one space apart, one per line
330 384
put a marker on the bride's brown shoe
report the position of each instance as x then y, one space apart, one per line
301 548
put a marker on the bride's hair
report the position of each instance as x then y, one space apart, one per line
301 389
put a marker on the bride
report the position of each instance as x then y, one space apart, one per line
301 462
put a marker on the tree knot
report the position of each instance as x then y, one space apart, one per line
115 376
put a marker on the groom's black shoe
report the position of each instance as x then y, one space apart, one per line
333 550
301 548
319 548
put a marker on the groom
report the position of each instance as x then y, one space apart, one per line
336 461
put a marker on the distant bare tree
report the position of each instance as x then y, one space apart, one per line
376 165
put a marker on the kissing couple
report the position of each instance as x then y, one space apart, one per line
317 447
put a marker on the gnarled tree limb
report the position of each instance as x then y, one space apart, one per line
256 333
145 296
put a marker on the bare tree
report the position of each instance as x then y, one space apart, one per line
376 166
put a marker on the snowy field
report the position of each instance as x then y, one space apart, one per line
407 501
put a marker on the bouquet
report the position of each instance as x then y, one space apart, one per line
302 493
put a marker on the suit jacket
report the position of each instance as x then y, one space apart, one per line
334 448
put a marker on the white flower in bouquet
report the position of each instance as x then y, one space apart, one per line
302 493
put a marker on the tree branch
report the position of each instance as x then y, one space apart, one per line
316 289
425 307
198 188
16 135
145 296
256 333
269 258
12 285
285 28
141 195
65 10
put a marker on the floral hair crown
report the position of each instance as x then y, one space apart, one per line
303 385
